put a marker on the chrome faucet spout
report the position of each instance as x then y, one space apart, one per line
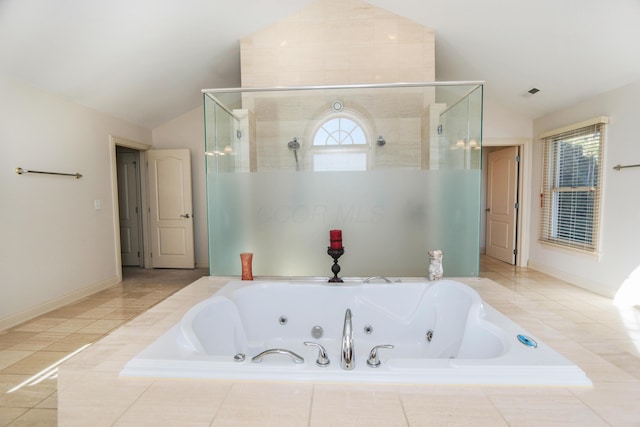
347 357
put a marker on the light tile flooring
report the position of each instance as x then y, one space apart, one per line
30 348
610 334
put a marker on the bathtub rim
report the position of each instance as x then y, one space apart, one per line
569 375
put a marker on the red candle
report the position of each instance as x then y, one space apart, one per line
336 239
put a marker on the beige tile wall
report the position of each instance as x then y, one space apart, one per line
339 42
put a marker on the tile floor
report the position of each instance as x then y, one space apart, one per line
29 348
607 339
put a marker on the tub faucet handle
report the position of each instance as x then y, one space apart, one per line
369 279
295 357
323 359
373 360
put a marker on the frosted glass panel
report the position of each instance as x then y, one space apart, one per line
389 221
413 186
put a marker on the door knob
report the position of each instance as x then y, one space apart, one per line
185 216
487 210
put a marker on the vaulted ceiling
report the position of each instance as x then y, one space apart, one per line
147 60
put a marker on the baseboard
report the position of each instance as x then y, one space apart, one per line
578 281
33 312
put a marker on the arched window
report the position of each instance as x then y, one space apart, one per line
340 143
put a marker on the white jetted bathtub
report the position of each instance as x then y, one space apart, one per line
433 332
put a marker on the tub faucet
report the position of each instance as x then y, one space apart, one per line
347 358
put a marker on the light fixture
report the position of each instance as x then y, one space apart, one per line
461 144
381 141
227 150
533 90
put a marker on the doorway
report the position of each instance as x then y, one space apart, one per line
161 179
502 204
507 230
117 146
130 206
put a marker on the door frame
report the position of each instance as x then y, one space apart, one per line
142 148
523 227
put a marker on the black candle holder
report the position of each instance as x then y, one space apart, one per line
335 268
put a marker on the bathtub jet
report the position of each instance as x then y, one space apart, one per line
432 332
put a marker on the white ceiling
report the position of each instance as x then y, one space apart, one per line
147 60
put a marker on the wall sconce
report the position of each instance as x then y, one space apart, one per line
381 141
228 150
461 144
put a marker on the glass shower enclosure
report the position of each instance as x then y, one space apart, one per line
396 167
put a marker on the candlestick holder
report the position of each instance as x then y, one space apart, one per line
335 268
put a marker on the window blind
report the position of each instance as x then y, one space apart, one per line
571 187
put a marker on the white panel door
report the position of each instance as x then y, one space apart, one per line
130 227
502 192
170 206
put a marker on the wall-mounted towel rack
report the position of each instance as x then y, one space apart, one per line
20 171
618 167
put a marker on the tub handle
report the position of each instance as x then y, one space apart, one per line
369 279
296 358
323 359
373 360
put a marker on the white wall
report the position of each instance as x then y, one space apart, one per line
55 246
187 131
499 123
620 238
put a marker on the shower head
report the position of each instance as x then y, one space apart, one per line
294 144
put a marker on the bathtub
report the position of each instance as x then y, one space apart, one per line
441 333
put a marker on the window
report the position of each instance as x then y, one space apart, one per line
340 144
572 184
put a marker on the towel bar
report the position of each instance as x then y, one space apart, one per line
20 171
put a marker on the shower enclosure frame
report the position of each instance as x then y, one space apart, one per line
238 175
